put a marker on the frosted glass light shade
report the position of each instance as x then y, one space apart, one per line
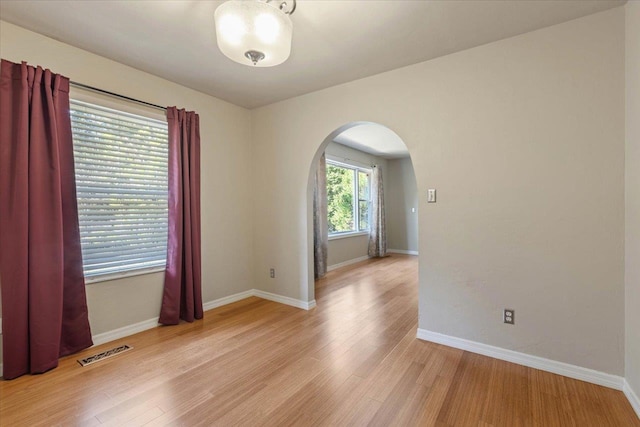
248 29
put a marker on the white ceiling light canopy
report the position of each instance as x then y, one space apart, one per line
255 32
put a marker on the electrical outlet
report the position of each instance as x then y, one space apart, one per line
509 316
272 273
431 195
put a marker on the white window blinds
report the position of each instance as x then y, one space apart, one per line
121 162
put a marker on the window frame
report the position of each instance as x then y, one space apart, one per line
346 164
83 95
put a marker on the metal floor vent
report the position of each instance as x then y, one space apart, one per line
104 355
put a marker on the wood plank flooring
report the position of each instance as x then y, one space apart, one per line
353 360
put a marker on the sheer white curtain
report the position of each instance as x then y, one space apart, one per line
377 233
320 227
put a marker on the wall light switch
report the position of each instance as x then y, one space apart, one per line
413 210
431 195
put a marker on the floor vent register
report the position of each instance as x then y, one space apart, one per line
104 355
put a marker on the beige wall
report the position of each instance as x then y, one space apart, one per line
402 197
523 138
226 177
524 141
349 248
632 181
346 249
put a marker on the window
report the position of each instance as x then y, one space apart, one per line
348 198
121 162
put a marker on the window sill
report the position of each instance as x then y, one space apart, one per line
350 234
122 275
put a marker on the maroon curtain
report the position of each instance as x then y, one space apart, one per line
182 297
44 307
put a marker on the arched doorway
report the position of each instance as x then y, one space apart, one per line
357 146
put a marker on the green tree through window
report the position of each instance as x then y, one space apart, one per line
347 199
363 199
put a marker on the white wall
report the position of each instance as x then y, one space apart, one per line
524 140
402 197
632 197
227 180
348 248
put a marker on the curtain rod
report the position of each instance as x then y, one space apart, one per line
116 95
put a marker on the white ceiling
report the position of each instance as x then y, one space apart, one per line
374 139
334 41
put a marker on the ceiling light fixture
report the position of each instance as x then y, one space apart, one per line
255 32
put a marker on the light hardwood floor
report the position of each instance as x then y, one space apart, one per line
353 360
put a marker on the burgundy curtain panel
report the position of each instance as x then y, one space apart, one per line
182 298
44 307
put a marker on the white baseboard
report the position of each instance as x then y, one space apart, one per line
560 368
362 258
402 251
125 331
284 300
348 262
227 300
632 397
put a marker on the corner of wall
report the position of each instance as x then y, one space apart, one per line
632 397
632 204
